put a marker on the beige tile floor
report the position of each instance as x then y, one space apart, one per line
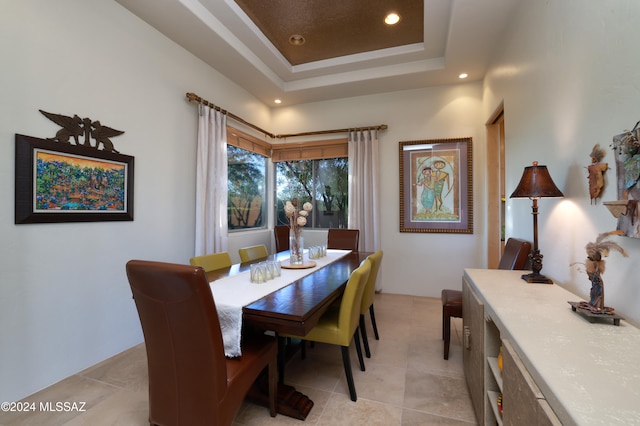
406 382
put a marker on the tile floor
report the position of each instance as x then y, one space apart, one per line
407 381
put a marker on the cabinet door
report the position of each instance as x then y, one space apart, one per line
473 343
523 401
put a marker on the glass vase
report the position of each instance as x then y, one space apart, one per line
296 247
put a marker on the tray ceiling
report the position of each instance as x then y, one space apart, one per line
348 50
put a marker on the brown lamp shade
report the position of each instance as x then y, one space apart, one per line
536 183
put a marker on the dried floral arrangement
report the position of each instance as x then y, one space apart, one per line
297 219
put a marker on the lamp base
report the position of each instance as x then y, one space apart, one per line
534 278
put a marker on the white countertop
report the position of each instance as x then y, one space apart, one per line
588 372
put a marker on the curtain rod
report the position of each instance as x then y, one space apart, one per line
192 97
195 98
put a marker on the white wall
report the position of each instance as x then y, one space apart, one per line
569 76
65 303
419 264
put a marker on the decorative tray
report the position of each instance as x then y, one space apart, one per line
305 265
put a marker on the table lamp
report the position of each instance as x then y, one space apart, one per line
536 183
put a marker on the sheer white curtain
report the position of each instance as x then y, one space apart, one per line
211 182
364 189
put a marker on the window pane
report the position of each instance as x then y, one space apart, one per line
333 188
247 185
324 183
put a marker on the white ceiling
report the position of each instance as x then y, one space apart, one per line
459 36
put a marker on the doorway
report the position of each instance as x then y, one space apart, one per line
496 197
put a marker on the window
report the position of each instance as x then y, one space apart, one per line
315 171
246 176
324 183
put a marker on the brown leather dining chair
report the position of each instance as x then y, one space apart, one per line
191 382
515 256
343 239
281 234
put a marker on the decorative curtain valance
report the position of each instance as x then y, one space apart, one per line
247 142
310 150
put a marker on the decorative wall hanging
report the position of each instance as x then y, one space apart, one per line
64 179
596 172
76 127
626 148
436 191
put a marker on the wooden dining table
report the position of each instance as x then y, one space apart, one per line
294 309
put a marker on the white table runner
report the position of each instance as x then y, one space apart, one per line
232 293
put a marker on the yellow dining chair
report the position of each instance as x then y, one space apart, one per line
367 301
340 326
247 254
211 262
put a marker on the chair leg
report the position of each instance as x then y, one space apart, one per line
365 340
373 322
444 318
356 337
446 333
347 371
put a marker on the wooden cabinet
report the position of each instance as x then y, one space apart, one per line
522 401
557 368
473 344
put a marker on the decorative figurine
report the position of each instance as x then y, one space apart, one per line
76 127
596 172
595 267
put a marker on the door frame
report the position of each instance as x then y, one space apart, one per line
496 198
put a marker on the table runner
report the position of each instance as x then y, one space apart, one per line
232 293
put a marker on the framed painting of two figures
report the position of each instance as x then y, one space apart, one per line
436 191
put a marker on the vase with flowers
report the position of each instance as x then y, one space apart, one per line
297 220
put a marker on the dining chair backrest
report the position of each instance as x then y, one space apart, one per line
515 255
370 288
281 234
247 254
344 239
349 315
185 352
212 261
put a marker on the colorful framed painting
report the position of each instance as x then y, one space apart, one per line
436 191
61 182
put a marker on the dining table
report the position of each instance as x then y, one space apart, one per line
295 309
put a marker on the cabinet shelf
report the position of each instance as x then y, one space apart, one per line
497 374
492 396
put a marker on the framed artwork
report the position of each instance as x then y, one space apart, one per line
61 182
436 191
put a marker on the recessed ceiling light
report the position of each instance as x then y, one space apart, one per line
392 18
277 101
297 40
463 75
